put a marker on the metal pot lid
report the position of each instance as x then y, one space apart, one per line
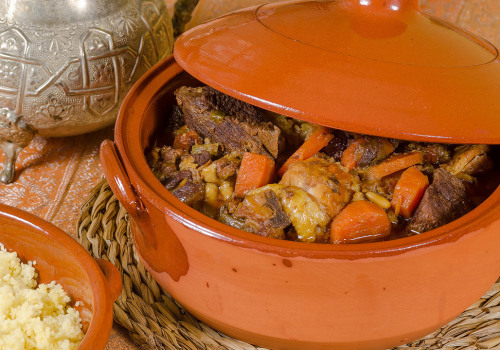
378 67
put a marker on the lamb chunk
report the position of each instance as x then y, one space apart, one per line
188 163
373 149
202 157
444 201
242 111
226 167
370 152
262 214
337 145
190 193
163 170
434 153
234 134
280 219
164 164
175 178
268 134
170 155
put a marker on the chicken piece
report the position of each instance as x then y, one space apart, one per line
329 183
308 217
469 160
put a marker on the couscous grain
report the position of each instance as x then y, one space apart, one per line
34 317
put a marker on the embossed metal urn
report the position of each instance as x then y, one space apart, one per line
65 65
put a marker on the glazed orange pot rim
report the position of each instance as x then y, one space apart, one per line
130 148
377 67
101 306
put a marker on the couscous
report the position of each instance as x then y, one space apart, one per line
31 316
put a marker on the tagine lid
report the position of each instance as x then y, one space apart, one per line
378 67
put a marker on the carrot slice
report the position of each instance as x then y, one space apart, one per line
360 221
409 191
351 156
394 164
309 148
255 171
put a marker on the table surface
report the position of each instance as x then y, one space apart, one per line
55 175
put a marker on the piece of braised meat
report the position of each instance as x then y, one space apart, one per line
190 192
270 209
337 145
434 153
444 201
242 111
261 213
232 123
175 178
470 160
327 182
365 150
164 160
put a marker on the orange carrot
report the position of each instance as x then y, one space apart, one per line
309 148
255 171
394 164
409 191
351 155
360 221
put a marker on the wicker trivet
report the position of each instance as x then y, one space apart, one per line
156 321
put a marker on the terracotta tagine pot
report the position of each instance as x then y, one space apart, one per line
65 66
95 284
377 67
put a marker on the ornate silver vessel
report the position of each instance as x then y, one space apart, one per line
65 65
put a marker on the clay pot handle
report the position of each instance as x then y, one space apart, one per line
158 249
118 179
112 276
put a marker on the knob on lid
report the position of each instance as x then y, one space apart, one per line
378 67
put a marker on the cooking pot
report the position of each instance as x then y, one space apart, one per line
95 284
372 66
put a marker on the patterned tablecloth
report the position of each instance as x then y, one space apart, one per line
54 175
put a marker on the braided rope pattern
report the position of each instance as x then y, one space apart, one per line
157 322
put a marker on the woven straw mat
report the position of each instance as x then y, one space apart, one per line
156 321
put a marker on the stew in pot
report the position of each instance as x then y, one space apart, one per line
283 178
